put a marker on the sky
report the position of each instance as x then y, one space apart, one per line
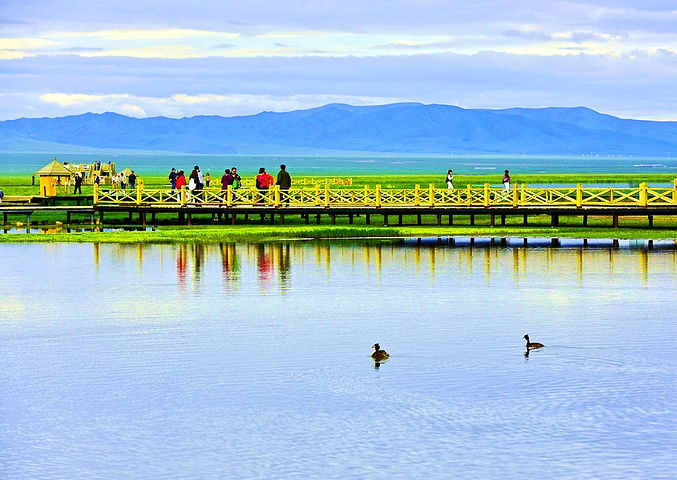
148 58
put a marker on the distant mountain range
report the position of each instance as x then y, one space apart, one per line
396 128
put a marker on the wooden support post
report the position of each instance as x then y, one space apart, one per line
493 220
525 220
650 221
472 219
263 218
101 217
399 222
439 219
555 243
153 218
333 219
318 219
615 221
182 217
385 219
272 218
585 220
190 219
350 218
130 219
503 220
142 217
68 217
282 219
367 218
307 216
418 219
554 220
451 219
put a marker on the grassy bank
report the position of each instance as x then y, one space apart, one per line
268 233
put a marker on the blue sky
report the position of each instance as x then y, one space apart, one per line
184 58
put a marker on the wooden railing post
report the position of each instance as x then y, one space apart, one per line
96 194
229 196
327 196
469 194
276 195
523 196
579 195
183 196
515 197
432 195
674 190
366 194
378 196
139 190
486 195
417 195
318 197
643 197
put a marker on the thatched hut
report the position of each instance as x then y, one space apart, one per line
54 178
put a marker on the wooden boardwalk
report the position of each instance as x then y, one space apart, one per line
393 205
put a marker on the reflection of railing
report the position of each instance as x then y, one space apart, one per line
642 196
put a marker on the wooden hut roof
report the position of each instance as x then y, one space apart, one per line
53 169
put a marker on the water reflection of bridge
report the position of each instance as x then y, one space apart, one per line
272 266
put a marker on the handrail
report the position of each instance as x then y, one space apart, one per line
484 196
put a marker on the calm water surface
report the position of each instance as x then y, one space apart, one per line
252 362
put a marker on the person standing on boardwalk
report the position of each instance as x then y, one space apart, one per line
132 180
208 180
263 182
237 180
122 181
172 179
226 181
284 181
450 180
506 180
180 183
78 184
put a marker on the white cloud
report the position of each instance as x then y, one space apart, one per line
231 58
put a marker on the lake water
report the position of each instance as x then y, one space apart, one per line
377 164
253 361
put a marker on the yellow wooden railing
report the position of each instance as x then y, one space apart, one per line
485 196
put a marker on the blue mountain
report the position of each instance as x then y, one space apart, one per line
396 128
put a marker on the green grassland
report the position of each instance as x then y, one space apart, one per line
22 185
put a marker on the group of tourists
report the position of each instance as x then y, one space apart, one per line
196 181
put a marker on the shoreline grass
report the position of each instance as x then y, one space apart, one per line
276 233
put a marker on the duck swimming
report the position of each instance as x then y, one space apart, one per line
532 344
379 355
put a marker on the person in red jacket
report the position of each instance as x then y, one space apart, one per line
180 182
264 181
